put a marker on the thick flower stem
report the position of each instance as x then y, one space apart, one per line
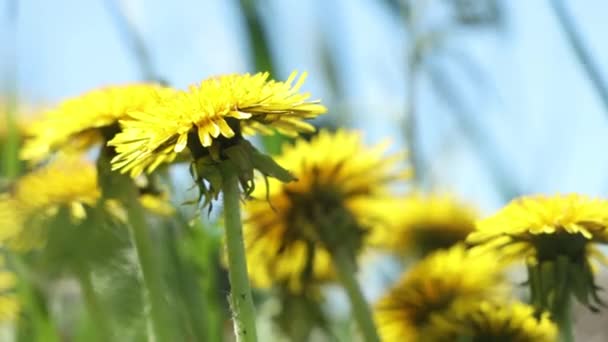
149 267
241 301
346 273
93 305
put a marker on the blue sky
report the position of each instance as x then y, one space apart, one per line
538 107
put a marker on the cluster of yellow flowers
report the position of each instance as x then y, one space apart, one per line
557 238
342 205
140 127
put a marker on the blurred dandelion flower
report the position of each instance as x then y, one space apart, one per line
9 304
11 219
68 182
425 223
299 267
557 237
210 119
291 234
433 287
157 203
492 321
80 122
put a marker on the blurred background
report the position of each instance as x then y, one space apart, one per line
502 102
492 98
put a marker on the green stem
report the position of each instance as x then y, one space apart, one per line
94 306
149 266
210 287
243 311
346 273
563 317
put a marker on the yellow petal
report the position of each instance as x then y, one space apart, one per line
182 141
239 115
225 129
204 137
77 211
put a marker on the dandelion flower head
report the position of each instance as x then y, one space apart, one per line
211 116
528 224
492 321
291 230
82 121
69 181
426 222
432 287
557 236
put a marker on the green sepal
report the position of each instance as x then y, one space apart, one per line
547 283
270 168
240 155
208 178
534 283
243 156
552 282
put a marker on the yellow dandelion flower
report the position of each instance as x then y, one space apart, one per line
68 182
432 287
557 237
527 222
11 219
157 203
9 304
290 234
208 121
154 203
80 122
212 116
295 268
492 321
154 197
425 223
